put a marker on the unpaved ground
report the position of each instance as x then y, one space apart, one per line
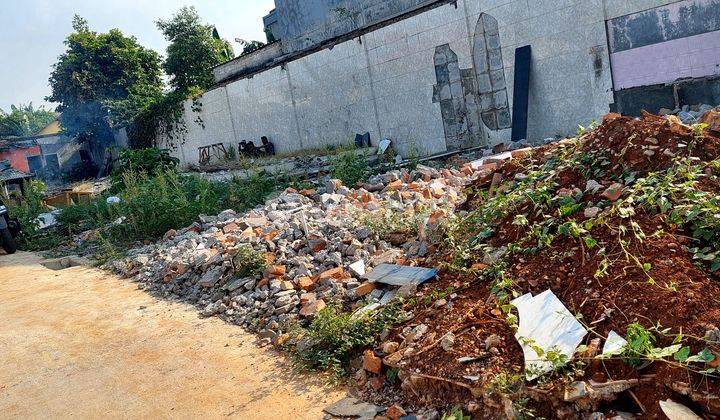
80 343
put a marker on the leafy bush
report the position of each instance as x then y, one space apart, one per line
27 212
153 205
150 161
350 167
334 337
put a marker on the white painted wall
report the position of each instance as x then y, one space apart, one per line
383 83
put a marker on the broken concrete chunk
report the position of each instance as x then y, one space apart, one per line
358 268
352 407
211 277
398 275
613 192
371 362
576 391
448 341
545 324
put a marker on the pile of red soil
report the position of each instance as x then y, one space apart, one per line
684 298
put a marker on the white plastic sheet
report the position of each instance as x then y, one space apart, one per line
547 324
614 345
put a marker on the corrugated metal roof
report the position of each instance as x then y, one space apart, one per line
8 173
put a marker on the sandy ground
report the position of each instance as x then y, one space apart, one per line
84 344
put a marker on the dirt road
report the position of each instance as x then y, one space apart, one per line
80 343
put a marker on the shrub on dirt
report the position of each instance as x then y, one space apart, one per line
150 161
27 211
152 205
335 337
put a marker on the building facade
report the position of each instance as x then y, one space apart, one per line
440 75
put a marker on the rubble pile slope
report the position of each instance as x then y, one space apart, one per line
622 225
617 228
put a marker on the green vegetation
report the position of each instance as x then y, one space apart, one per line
102 81
642 350
350 166
27 212
152 201
24 120
454 413
249 262
388 221
195 47
335 337
150 161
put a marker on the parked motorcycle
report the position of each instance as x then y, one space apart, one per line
9 230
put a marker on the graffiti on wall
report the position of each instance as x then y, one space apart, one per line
471 99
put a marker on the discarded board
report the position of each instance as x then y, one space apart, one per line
545 323
400 275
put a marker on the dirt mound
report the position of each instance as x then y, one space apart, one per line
620 224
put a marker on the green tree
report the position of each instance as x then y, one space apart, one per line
102 81
194 49
24 120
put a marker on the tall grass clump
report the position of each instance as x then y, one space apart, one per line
152 205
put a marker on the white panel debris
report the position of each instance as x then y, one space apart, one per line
614 345
545 323
676 411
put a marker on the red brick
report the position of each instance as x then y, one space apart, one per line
371 363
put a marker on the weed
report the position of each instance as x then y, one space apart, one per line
107 251
27 210
350 167
150 161
246 193
335 337
153 205
248 262
386 221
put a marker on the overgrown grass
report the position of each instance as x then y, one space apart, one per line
151 204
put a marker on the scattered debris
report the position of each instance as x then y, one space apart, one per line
614 345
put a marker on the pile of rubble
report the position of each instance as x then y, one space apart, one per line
521 239
314 246
585 241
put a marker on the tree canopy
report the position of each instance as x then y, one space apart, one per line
24 120
103 80
194 49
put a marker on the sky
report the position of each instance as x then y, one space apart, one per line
32 33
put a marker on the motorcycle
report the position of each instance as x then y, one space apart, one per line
9 230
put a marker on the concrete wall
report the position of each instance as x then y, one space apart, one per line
303 24
248 63
387 81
